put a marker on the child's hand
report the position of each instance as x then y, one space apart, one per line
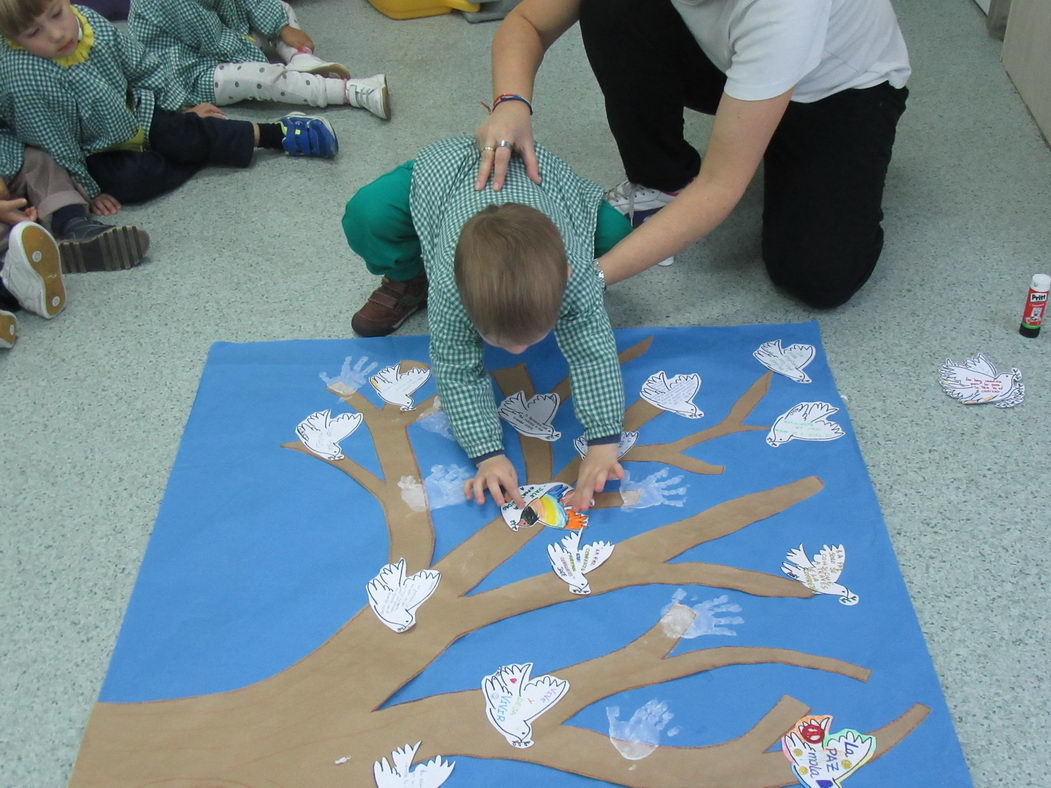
495 475
14 211
296 38
206 110
598 466
105 204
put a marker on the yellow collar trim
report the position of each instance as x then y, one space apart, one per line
83 48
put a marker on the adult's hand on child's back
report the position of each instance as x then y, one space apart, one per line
511 124
296 38
497 475
599 466
206 110
14 211
105 204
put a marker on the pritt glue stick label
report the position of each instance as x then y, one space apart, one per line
1035 305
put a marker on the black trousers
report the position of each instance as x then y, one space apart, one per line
180 145
824 169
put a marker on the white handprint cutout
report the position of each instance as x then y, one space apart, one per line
350 379
707 619
444 485
639 736
412 493
434 420
651 491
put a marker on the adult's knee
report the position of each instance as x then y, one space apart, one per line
822 276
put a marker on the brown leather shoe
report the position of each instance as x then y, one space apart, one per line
389 306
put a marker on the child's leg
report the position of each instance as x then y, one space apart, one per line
611 227
236 82
305 59
378 225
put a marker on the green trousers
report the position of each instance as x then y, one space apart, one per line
379 227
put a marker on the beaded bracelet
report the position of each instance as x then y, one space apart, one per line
507 97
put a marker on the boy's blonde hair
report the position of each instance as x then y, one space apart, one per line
511 272
17 16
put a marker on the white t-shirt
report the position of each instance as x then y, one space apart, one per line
820 46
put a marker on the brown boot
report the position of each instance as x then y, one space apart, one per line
389 306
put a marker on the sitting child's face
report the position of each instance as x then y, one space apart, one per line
53 34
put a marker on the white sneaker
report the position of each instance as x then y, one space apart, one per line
8 329
370 93
32 270
639 203
309 63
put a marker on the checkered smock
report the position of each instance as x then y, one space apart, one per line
196 36
442 199
101 96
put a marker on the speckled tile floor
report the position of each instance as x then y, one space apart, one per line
93 403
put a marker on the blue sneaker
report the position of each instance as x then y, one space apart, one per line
308 135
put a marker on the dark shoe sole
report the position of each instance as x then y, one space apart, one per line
117 249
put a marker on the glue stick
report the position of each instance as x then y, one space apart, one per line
1035 305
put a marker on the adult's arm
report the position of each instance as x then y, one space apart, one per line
740 135
517 51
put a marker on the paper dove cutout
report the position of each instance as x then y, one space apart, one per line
674 394
627 440
543 504
533 418
394 597
399 774
321 433
821 573
787 361
975 382
807 421
513 701
397 387
822 761
571 561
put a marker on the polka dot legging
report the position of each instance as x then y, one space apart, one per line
275 82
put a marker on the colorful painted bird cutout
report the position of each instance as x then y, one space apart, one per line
807 421
674 394
513 701
571 561
624 445
321 432
397 387
976 382
400 774
788 361
395 598
820 760
544 505
821 573
532 418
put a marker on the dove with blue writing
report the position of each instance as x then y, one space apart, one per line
820 574
513 701
321 432
788 361
396 387
532 417
807 421
571 562
400 774
674 394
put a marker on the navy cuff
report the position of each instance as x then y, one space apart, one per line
483 457
608 439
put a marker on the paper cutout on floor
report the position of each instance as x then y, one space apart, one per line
350 379
444 485
532 418
638 737
395 598
976 382
627 440
807 421
544 505
654 490
674 394
321 432
789 361
400 774
707 615
819 760
571 561
513 701
821 573
397 387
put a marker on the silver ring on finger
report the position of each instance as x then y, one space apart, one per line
505 144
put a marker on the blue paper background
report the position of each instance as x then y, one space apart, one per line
260 554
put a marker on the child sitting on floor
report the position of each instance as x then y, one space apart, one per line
79 90
502 268
217 51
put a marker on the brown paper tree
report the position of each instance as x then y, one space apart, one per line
322 720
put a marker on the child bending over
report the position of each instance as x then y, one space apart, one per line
217 51
500 268
91 98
